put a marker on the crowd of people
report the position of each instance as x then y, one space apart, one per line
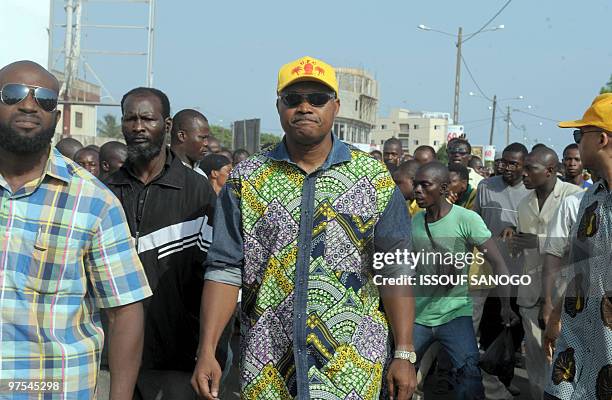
127 266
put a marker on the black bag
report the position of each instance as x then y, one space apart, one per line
498 360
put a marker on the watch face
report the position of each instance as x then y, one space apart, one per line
413 357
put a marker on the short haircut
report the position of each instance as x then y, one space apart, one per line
537 145
239 152
407 169
459 141
426 148
213 162
68 146
438 170
393 141
546 155
376 152
155 92
572 146
87 150
516 148
183 118
108 149
460 170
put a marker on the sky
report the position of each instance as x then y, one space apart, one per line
223 57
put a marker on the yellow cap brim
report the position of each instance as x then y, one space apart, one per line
572 124
305 79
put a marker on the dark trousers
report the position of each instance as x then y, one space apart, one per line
491 327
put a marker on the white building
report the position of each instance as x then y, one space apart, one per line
412 128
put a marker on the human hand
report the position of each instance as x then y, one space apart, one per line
401 379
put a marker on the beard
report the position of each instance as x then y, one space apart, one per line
16 143
138 153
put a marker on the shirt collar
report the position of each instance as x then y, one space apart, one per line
172 175
57 166
466 195
339 153
598 186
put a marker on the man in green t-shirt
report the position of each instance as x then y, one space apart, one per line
444 312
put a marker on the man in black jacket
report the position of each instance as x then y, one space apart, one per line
169 210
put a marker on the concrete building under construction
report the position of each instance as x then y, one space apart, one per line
358 93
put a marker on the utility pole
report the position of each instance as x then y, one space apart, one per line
457 78
508 127
493 121
68 62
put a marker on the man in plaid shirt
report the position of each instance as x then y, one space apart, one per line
65 252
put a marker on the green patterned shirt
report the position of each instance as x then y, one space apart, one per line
301 246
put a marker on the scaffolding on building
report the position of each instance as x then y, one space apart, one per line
74 56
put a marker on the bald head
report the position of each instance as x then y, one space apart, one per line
187 120
434 171
30 73
540 170
68 147
28 125
112 157
544 156
431 184
407 169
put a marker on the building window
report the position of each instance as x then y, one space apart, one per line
78 119
416 126
404 127
436 142
382 142
416 142
383 127
356 105
436 127
341 135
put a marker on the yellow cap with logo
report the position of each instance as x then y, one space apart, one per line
307 69
599 114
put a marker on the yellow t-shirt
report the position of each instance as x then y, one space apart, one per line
413 207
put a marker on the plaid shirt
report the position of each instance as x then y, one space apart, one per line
65 252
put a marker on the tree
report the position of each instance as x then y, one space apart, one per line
269 138
224 135
108 127
607 88
441 154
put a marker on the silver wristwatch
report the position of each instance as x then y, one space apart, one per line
405 355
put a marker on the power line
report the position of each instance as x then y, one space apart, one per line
489 21
537 116
481 120
473 79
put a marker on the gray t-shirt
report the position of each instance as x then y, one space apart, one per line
497 203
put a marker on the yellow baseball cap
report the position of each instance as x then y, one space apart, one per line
307 69
599 114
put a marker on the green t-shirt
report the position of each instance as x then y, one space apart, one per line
455 235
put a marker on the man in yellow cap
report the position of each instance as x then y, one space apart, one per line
582 361
298 228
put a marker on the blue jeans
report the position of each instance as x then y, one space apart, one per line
458 339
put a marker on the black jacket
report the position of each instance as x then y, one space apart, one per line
171 220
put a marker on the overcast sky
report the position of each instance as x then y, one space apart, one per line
223 57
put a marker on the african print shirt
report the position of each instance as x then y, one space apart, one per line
301 246
582 363
65 252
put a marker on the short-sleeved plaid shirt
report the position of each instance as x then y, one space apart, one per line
65 252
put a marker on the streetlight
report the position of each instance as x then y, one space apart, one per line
459 42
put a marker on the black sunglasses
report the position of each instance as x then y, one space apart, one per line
317 99
13 93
